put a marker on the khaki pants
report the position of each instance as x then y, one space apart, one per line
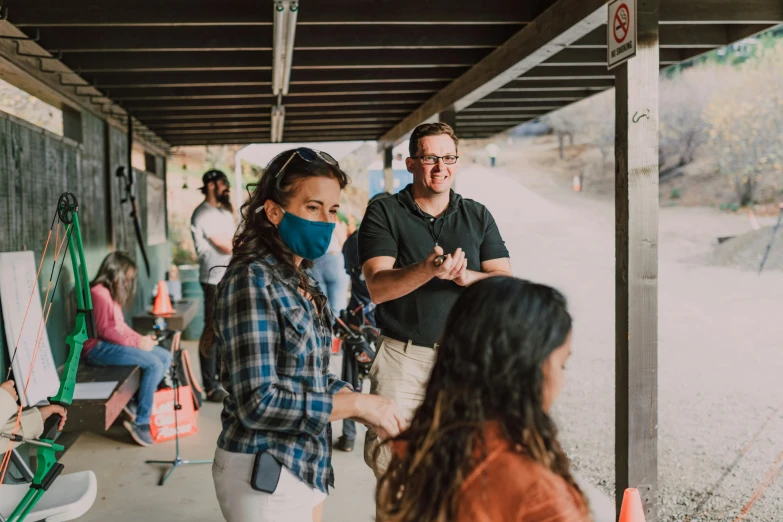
400 372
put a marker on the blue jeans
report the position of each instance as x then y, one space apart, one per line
153 364
329 271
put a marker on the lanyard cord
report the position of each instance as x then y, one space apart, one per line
432 231
431 224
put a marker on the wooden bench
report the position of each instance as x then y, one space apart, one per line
98 415
95 415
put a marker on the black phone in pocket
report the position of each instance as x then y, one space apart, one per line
266 473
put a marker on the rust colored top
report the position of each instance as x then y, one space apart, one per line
509 486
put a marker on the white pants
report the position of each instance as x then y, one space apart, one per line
292 501
400 372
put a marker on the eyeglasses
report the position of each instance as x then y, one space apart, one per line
448 159
309 155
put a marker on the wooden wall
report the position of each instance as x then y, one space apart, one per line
37 166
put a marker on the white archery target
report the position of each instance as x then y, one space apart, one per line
17 279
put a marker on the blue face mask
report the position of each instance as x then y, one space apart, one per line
306 239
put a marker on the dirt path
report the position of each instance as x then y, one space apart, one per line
719 343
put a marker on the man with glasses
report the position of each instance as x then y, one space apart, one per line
213 227
419 249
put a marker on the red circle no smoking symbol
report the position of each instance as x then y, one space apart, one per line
620 25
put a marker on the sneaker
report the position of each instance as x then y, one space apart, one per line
344 444
130 410
140 433
217 395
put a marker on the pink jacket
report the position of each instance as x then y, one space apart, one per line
110 325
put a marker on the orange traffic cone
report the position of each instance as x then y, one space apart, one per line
162 304
632 509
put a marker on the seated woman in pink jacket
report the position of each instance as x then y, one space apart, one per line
118 344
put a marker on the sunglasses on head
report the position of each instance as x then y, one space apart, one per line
308 155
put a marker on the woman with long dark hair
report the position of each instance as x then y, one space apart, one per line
119 345
482 446
273 329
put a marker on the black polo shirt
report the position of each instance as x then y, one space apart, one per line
396 227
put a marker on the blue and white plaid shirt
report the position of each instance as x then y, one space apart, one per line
275 352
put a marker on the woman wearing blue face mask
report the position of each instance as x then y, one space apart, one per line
273 329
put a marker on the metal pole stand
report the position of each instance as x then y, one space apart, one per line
177 462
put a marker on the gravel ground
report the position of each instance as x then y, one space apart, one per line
720 392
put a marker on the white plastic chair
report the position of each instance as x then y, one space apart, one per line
69 497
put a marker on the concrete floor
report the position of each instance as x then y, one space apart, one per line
128 490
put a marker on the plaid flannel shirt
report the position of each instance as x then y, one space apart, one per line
275 352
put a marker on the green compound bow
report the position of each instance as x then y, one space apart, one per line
48 468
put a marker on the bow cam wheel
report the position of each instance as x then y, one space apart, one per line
66 206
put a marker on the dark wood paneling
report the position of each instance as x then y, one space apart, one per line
36 167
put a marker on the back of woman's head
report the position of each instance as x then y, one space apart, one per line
258 236
497 338
117 273
490 366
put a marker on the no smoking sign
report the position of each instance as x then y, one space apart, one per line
621 32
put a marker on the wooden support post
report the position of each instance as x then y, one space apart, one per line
388 170
636 276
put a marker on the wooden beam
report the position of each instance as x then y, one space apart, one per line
259 38
563 23
172 133
229 122
114 80
164 115
492 122
264 138
173 13
144 62
683 36
597 57
568 73
514 99
481 108
547 85
262 102
636 272
206 124
498 118
299 91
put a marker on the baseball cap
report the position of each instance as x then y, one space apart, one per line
214 175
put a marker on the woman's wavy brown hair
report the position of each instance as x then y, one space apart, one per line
488 368
113 274
257 236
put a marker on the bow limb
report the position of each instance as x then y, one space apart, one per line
130 196
48 468
139 235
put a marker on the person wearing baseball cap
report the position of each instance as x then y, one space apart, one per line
213 227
